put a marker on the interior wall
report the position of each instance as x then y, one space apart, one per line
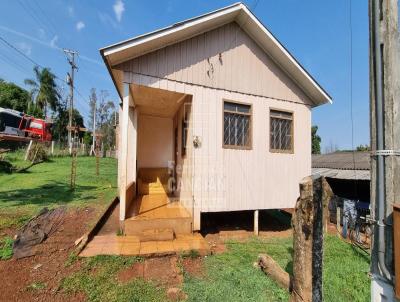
155 141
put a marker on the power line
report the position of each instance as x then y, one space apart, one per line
32 13
351 96
37 64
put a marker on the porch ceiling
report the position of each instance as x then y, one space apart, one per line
156 102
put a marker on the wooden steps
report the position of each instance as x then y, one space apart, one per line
153 181
154 215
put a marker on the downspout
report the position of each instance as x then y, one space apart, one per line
380 144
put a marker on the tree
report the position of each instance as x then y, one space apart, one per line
315 141
62 119
363 147
44 90
105 117
14 97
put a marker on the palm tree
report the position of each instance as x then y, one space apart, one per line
44 89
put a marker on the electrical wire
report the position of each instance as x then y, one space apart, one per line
351 97
41 66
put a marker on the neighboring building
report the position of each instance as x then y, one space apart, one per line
215 112
348 173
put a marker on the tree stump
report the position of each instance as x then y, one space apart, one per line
309 221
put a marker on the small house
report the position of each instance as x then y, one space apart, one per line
215 117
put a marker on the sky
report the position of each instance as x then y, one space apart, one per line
316 32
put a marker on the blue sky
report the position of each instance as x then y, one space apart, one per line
316 32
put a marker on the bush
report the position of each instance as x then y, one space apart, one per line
37 153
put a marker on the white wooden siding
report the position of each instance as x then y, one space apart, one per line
229 179
242 66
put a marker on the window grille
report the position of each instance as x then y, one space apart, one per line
281 128
237 125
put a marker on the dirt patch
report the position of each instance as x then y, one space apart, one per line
38 278
194 266
163 271
135 271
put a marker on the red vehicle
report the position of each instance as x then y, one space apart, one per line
17 124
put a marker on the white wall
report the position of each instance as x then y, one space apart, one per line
155 141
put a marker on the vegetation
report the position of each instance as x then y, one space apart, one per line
44 90
363 148
97 279
14 97
315 141
231 276
47 185
6 251
105 116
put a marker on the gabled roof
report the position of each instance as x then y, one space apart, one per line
239 13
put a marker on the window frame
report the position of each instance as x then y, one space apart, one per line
250 114
282 151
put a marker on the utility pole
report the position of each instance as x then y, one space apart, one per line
385 141
70 81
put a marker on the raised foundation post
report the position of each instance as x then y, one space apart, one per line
256 222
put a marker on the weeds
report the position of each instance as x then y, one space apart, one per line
6 250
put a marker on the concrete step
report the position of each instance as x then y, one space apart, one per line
156 235
137 227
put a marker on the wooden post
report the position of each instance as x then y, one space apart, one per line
308 235
256 222
52 147
28 150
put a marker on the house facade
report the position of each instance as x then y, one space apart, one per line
215 114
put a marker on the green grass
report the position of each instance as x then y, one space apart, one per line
98 280
231 276
22 195
6 250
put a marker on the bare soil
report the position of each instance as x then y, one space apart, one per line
163 271
194 266
38 278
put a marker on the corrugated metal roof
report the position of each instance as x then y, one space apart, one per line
342 174
342 160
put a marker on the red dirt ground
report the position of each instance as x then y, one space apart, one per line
48 266
163 271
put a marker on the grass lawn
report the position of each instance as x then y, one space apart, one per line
229 276
22 195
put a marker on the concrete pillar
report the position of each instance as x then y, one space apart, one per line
256 222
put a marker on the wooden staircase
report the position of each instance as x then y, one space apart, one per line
154 215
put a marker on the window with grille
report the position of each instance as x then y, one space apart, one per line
281 127
237 125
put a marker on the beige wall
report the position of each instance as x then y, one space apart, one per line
226 179
242 66
155 141
230 180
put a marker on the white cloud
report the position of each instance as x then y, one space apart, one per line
80 25
119 8
25 48
53 42
71 11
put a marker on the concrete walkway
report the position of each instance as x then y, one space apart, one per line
131 246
